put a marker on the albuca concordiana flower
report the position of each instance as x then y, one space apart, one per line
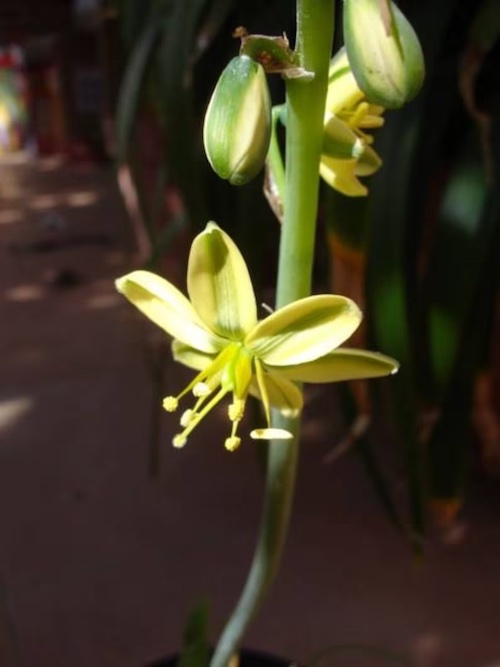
347 145
218 334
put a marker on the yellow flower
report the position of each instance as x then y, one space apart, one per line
217 333
347 145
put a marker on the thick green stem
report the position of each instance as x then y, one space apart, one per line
305 111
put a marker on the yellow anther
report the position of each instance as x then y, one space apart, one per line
371 122
179 441
232 443
375 109
359 114
367 138
186 417
271 434
170 403
236 410
290 412
201 389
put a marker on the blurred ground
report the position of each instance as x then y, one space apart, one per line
99 563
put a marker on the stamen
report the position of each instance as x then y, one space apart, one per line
232 443
195 417
201 389
236 410
371 122
187 417
367 138
204 383
358 115
267 308
170 403
259 372
179 440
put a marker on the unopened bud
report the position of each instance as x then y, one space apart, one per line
385 55
237 127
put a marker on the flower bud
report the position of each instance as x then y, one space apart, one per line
237 127
386 60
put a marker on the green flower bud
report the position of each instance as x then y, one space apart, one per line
237 127
386 60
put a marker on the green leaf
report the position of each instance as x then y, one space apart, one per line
133 82
164 238
195 646
449 288
387 289
175 80
412 148
370 459
471 315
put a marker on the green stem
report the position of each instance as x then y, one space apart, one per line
305 111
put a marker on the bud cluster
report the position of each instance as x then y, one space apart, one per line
381 67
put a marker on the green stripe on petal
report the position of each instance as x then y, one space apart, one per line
304 330
343 91
342 364
219 284
167 307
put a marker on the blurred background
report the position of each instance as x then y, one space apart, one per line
109 536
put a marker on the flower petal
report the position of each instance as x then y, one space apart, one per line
190 356
219 284
340 175
342 364
282 394
343 91
304 330
167 307
368 162
340 142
